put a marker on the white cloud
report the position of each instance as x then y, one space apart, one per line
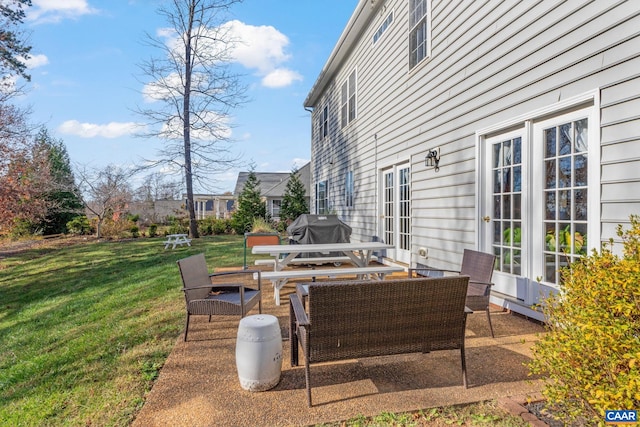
36 61
57 10
262 48
280 77
91 130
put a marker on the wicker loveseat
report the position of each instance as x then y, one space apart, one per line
356 319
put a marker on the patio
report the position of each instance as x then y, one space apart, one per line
198 385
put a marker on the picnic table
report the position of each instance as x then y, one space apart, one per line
174 240
360 254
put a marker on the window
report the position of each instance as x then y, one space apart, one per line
275 208
383 27
324 122
418 31
348 100
506 165
348 189
565 194
322 198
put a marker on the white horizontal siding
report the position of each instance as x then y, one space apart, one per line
491 61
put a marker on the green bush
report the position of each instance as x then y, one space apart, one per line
153 230
590 355
222 226
177 225
79 225
214 226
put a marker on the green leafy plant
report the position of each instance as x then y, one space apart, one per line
591 353
564 239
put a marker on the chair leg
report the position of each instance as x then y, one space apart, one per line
307 374
490 325
464 366
186 328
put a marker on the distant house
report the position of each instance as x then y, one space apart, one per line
211 205
508 127
272 187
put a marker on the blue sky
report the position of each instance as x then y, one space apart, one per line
85 77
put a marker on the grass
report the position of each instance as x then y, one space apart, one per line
476 414
86 327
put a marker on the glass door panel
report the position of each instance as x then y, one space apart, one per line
507 204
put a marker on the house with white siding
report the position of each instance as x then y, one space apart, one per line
509 127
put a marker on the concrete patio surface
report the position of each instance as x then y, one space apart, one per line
199 386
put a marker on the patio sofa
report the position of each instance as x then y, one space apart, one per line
356 319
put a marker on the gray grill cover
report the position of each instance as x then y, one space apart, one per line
312 229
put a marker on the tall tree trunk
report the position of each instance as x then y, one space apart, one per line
193 225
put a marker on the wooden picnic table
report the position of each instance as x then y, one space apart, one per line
174 240
360 254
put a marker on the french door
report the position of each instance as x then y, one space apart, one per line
535 199
396 210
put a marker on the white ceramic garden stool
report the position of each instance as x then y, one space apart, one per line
259 352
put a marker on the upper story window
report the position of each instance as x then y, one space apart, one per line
419 32
383 27
348 100
324 122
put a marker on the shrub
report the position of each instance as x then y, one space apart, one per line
177 225
260 225
119 228
222 226
214 226
153 230
135 231
591 353
79 225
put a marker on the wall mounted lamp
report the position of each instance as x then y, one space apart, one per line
433 159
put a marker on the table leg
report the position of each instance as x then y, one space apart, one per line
277 285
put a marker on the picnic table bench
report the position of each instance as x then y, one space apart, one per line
314 260
359 254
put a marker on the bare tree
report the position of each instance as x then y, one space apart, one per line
106 191
155 186
192 91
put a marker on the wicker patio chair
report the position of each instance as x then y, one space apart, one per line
479 267
204 297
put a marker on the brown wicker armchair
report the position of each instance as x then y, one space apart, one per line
204 297
479 267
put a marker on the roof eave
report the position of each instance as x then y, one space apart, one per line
358 22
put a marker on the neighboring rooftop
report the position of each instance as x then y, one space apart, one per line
273 184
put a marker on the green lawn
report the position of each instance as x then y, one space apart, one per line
84 328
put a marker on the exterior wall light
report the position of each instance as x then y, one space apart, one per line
433 159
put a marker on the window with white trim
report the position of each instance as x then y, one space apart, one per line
383 27
419 31
348 100
348 189
275 208
324 122
322 197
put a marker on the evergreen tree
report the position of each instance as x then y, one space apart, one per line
250 205
294 202
13 50
62 195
